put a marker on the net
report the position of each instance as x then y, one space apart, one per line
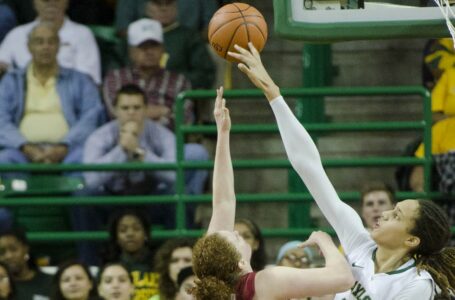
448 13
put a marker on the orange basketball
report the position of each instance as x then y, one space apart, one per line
236 23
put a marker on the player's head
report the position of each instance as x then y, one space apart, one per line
376 197
422 229
219 259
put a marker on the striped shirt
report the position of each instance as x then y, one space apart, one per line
161 89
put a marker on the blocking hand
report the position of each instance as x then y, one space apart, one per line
252 66
221 113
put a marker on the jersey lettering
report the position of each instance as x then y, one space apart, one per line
358 292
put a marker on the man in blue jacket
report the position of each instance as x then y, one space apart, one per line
46 111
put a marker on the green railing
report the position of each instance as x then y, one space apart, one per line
180 199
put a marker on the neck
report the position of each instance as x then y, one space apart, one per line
137 255
25 274
388 260
44 72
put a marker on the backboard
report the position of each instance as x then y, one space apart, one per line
334 20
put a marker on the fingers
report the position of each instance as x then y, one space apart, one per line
243 68
306 243
253 50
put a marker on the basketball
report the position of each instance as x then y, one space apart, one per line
236 23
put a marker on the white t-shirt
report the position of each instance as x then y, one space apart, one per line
403 283
78 48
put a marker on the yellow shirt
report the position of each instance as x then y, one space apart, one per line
443 94
443 138
43 120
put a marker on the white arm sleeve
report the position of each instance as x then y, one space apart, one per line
305 159
418 289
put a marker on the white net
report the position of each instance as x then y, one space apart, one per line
448 13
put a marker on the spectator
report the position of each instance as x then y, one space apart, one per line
252 235
73 281
7 289
290 255
376 197
170 259
15 253
186 51
46 111
115 283
185 282
7 20
161 88
129 243
194 14
78 48
132 137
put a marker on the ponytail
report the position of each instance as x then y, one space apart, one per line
433 230
441 266
212 288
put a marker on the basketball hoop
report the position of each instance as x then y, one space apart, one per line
448 13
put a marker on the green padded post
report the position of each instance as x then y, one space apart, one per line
317 65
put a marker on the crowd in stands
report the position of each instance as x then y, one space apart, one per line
60 103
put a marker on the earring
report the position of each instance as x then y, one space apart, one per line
26 256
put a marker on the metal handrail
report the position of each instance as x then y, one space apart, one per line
180 165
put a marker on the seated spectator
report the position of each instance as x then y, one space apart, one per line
30 282
129 243
115 282
7 289
376 197
132 137
46 111
72 281
443 150
252 235
170 259
185 50
78 48
7 20
185 282
161 88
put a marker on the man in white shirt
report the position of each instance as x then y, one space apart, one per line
78 48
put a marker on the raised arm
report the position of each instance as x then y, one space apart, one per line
286 283
223 201
303 155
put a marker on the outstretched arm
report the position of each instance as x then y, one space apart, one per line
286 283
223 201
304 155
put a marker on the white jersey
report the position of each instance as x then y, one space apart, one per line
389 285
403 283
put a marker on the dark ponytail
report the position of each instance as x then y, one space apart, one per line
433 229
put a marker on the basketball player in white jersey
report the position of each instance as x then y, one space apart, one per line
405 254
